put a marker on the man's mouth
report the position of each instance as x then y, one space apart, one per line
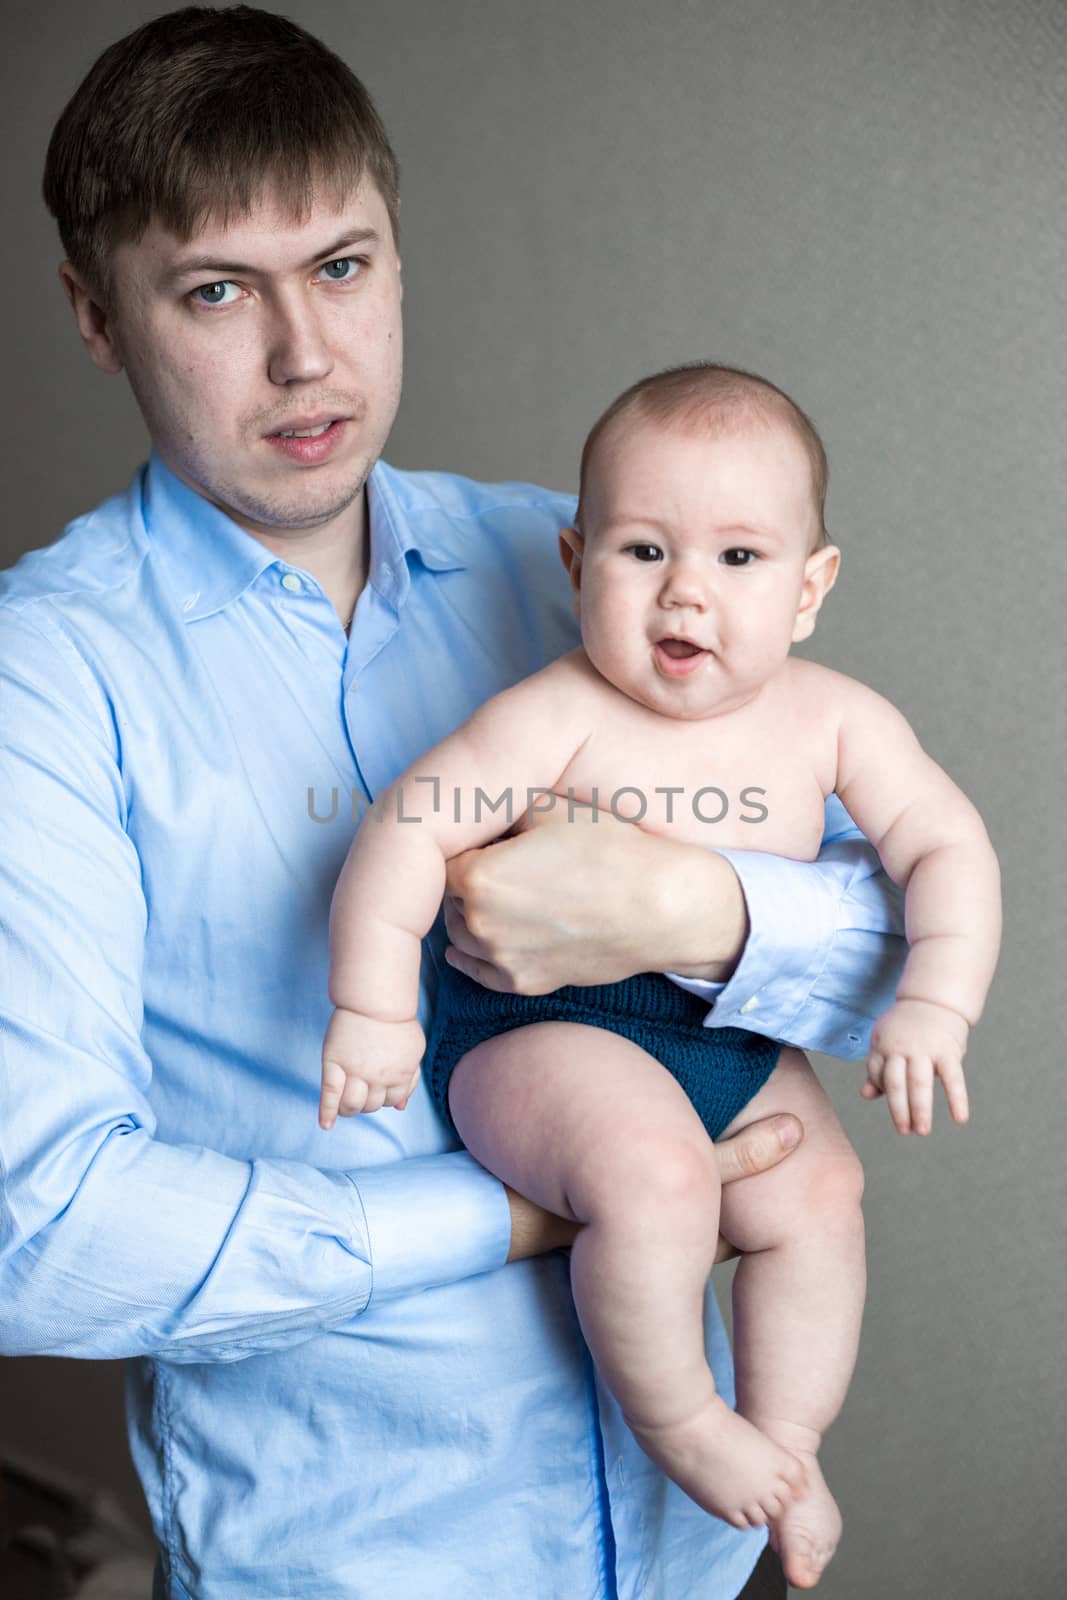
309 441
306 427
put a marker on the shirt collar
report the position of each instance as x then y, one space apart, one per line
212 561
408 518
209 558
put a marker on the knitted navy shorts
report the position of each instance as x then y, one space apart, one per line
720 1069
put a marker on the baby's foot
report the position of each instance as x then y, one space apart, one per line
806 1533
725 1464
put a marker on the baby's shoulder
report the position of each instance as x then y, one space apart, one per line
842 703
817 692
565 690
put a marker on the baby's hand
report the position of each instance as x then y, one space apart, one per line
367 1064
914 1042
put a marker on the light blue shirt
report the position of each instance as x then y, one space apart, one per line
339 1390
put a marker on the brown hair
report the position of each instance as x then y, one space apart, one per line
190 116
706 398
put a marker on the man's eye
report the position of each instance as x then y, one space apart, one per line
645 552
343 270
211 294
738 558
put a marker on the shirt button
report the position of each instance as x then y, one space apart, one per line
292 583
749 1005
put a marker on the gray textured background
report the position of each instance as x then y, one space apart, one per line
866 202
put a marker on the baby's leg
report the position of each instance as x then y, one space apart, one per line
798 1298
591 1127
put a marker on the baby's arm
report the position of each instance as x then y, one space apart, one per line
932 842
394 876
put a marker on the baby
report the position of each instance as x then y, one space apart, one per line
697 558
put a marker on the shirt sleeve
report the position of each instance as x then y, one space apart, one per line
825 949
112 1242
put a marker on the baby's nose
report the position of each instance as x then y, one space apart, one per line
685 585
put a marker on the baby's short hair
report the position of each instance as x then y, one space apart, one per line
705 397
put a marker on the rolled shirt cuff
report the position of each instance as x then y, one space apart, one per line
792 920
432 1220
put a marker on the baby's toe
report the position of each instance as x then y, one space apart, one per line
805 1560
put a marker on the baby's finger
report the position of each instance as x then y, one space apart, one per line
333 1086
408 1090
895 1084
955 1085
872 1089
921 1093
375 1098
354 1097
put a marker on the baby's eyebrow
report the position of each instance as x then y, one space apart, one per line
637 522
749 530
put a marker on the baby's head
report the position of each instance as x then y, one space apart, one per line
699 553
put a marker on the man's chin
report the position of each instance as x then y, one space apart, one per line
296 507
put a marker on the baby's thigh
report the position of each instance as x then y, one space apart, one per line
579 1118
821 1177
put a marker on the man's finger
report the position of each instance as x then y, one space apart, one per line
758 1147
481 971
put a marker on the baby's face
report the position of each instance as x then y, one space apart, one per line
696 573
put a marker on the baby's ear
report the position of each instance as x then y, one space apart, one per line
820 575
571 545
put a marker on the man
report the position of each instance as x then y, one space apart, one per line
341 1389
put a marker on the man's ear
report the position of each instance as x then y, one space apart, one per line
95 322
571 545
820 575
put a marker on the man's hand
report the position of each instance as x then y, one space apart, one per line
590 901
754 1149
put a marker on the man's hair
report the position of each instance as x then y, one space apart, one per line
192 116
707 399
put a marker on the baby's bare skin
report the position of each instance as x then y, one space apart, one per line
683 711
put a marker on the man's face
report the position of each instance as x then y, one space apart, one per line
244 332
695 575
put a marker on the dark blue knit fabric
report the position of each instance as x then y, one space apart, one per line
720 1069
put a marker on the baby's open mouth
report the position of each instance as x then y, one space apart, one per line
677 649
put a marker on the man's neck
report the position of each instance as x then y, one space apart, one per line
336 555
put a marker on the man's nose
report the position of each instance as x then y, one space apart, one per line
299 350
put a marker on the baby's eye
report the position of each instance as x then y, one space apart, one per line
738 557
645 552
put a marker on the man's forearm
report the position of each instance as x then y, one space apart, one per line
698 902
534 1231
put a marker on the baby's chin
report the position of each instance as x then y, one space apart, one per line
685 702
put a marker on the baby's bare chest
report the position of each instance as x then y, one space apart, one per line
745 782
